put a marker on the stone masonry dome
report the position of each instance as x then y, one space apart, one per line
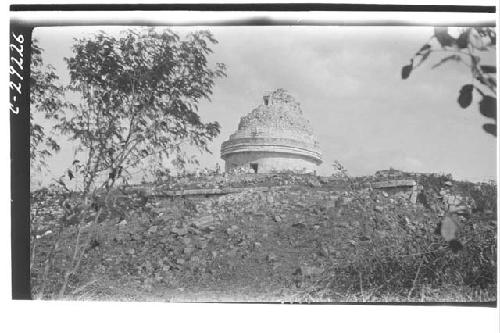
273 137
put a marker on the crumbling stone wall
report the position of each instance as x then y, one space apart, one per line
280 116
275 136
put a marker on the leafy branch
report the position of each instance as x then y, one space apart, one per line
464 49
46 102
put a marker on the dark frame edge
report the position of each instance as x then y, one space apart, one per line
20 168
258 7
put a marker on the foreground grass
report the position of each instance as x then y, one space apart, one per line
109 291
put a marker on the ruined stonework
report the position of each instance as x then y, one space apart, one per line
274 137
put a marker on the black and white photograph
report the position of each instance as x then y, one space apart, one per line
255 158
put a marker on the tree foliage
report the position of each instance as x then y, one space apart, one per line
46 100
140 93
466 49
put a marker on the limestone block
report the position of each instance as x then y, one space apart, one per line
394 183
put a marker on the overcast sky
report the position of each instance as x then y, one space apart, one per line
348 82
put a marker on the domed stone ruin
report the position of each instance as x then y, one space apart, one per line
274 137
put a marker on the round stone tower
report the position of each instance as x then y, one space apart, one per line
273 137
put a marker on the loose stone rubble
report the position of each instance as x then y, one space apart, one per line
220 230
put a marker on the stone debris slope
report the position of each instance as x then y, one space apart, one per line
300 237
